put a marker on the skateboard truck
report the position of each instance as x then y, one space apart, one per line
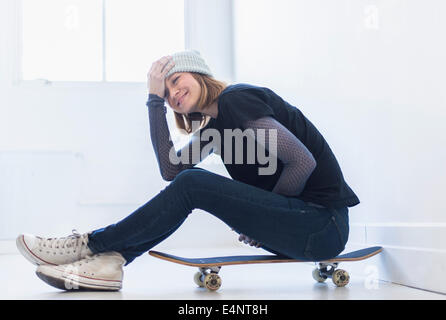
208 277
327 270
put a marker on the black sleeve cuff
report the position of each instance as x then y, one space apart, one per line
154 100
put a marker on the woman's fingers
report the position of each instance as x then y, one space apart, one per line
167 68
247 240
166 65
255 244
159 66
157 73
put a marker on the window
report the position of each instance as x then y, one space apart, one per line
98 40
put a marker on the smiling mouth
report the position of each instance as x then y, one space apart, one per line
180 100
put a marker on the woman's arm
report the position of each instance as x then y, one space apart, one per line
162 142
298 161
159 130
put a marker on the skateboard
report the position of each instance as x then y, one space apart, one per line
210 267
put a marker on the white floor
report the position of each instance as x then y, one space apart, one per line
151 278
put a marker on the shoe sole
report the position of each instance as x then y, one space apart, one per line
27 253
74 283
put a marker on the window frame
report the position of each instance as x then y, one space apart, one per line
18 61
192 28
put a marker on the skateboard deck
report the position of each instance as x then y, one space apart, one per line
209 267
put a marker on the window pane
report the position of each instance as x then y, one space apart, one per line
139 32
62 40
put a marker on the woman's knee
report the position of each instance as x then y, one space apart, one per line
191 177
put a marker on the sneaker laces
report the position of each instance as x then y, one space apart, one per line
75 241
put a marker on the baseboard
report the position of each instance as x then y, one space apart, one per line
414 254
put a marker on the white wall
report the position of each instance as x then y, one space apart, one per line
371 76
79 155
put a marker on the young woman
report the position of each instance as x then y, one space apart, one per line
298 208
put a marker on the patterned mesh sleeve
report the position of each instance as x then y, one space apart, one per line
298 161
162 142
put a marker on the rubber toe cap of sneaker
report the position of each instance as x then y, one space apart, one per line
25 244
28 240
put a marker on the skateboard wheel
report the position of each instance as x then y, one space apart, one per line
340 278
212 281
198 279
317 275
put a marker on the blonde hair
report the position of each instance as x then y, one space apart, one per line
210 90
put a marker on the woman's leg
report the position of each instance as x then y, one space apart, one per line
282 224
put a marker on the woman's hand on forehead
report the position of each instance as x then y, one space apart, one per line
156 77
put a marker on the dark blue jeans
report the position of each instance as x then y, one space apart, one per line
283 225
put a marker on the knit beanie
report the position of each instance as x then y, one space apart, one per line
189 61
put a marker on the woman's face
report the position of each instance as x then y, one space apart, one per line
182 92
